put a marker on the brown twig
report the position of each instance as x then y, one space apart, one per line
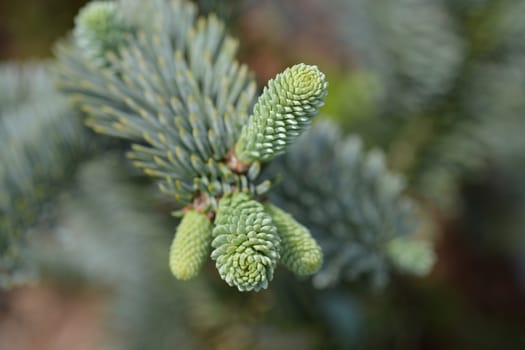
234 164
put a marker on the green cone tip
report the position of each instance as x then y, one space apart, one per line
191 245
411 256
300 253
282 113
99 28
246 243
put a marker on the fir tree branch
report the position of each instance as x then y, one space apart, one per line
20 82
46 142
176 91
413 46
351 202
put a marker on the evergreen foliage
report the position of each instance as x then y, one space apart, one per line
108 238
20 82
157 76
44 143
179 96
486 118
444 67
175 91
413 46
449 74
424 49
355 225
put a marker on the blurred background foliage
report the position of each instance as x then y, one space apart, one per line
438 85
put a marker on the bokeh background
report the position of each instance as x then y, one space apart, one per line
438 85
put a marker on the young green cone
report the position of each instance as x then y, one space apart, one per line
283 112
98 28
191 245
300 253
246 243
411 256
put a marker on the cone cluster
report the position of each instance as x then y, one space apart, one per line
177 93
